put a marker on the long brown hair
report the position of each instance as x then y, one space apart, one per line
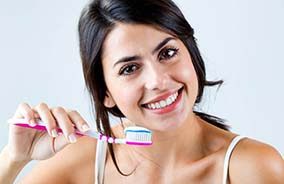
99 17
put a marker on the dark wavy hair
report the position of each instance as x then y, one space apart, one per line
99 17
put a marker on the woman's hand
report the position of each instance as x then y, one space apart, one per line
27 144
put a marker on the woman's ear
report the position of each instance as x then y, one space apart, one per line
108 101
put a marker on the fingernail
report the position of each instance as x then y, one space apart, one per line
32 122
72 138
54 133
85 127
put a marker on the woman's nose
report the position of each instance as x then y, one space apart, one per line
156 78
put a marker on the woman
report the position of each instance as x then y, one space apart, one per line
140 61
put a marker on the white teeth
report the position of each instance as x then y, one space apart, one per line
163 103
153 106
157 104
169 101
172 98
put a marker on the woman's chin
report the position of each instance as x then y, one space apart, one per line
167 125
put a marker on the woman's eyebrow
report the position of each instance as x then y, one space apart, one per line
133 58
126 59
161 44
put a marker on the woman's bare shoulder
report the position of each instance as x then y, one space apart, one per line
69 165
255 162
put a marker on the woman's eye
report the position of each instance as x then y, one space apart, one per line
128 69
168 53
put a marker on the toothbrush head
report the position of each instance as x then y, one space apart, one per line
139 136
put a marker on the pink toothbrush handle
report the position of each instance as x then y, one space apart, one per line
43 128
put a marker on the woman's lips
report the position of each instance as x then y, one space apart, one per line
166 105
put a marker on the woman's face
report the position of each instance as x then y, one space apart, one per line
149 76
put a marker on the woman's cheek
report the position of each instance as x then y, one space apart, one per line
188 77
186 71
126 97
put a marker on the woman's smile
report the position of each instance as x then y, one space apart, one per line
164 103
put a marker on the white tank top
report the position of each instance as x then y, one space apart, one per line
102 150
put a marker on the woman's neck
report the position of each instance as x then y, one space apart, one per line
184 144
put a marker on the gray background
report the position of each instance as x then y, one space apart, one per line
241 42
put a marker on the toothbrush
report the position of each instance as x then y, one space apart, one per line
134 135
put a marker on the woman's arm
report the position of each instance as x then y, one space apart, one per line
8 168
256 162
73 164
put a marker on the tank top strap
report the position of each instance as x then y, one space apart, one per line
229 151
101 151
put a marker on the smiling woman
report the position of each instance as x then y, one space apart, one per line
141 63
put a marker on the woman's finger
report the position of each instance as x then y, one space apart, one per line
47 117
36 115
59 143
64 123
78 120
25 111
